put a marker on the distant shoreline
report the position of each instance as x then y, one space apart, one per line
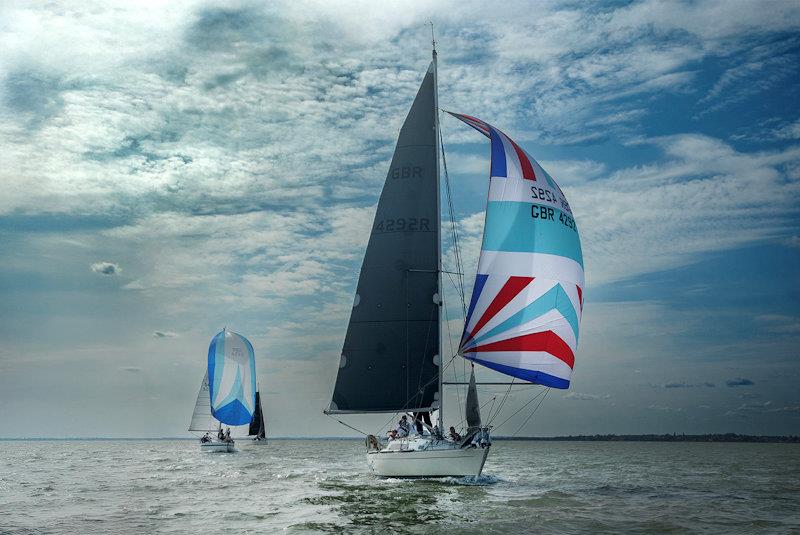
715 437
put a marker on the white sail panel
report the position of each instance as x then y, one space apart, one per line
232 378
525 311
202 419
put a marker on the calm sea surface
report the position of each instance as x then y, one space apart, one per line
308 486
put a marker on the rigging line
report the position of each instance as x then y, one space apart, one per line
540 393
348 425
408 380
456 245
421 389
453 227
481 407
450 342
532 412
494 398
502 403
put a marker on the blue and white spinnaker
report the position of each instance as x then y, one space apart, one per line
232 378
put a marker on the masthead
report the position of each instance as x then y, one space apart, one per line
433 39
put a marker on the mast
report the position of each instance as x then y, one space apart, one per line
440 423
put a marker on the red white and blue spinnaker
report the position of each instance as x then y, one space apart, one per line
524 315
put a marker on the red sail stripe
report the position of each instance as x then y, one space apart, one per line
580 296
547 341
480 124
512 287
527 168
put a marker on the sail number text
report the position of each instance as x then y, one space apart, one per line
402 224
544 194
407 172
548 214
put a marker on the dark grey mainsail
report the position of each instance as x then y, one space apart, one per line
257 427
392 342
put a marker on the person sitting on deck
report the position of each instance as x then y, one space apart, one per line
403 427
228 435
454 436
205 438
220 434
392 434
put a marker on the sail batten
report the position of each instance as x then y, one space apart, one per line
525 311
389 358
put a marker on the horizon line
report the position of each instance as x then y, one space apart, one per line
350 437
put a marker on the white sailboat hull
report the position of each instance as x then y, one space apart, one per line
217 447
435 460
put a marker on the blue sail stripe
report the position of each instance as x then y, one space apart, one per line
531 376
511 227
216 357
498 163
554 299
234 413
480 282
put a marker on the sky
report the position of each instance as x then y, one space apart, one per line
170 168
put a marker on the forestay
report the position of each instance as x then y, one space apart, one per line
232 378
389 358
524 315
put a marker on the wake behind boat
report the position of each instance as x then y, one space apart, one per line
522 320
228 392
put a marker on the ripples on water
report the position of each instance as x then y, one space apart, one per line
301 486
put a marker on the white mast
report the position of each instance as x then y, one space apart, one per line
440 422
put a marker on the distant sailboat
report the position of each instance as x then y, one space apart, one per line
228 392
522 319
258 428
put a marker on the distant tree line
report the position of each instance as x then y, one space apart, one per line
674 437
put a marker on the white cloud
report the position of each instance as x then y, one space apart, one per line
164 334
586 397
106 268
230 156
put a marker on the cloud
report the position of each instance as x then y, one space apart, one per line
164 334
779 323
697 185
676 384
739 381
664 408
106 268
586 397
234 155
789 131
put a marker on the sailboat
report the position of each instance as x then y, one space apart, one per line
523 317
228 392
258 428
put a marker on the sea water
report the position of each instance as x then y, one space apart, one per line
323 486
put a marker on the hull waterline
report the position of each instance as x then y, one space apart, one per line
432 462
218 447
